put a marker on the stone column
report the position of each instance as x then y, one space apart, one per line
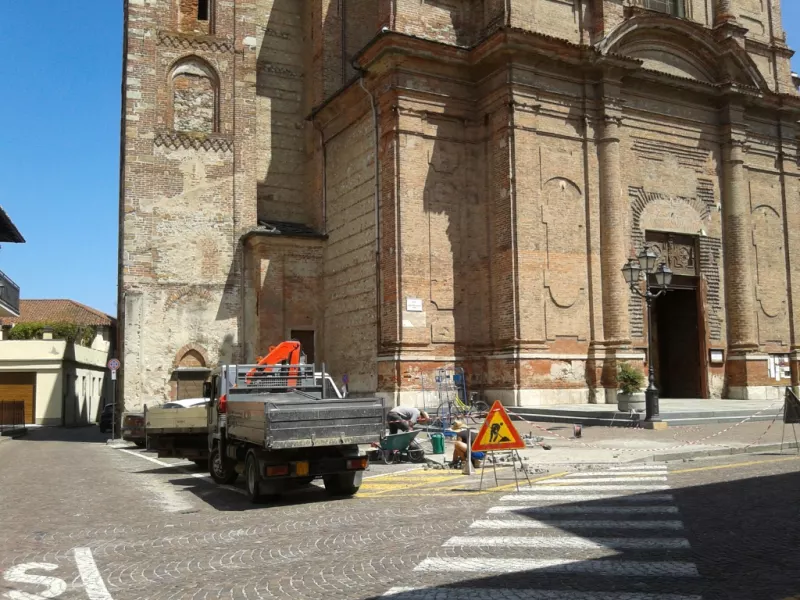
613 235
737 239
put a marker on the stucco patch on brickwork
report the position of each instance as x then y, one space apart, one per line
193 103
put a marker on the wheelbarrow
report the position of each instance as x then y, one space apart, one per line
397 447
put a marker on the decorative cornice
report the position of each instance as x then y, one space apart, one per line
175 140
184 41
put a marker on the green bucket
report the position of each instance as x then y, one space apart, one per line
437 441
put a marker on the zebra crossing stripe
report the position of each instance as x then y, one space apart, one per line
534 497
568 542
570 525
637 467
627 568
472 593
567 510
579 486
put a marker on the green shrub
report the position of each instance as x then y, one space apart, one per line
80 334
630 379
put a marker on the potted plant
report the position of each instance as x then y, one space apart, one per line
630 381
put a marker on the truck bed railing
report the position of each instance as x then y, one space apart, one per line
275 377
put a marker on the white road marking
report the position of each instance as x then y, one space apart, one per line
181 465
548 485
90 575
637 467
565 510
155 460
587 479
569 525
570 542
455 593
19 574
592 567
562 498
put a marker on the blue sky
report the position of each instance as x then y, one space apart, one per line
59 154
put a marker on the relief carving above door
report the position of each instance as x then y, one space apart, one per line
678 251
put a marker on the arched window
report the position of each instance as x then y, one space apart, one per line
195 96
190 373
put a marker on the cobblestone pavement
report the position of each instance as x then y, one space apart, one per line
83 520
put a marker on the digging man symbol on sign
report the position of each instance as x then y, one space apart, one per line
497 432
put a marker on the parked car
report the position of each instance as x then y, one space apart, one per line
133 428
106 417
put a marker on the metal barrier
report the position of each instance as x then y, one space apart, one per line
12 414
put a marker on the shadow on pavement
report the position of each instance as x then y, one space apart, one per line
89 434
744 537
223 498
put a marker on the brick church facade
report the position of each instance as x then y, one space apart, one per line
409 184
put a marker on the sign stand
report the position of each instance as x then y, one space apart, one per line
113 366
498 434
791 416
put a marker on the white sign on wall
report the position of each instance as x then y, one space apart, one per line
414 304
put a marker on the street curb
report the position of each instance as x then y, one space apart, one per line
676 456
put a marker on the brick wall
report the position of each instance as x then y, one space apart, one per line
349 257
285 279
491 174
280 113
187 122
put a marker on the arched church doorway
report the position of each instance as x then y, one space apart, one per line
678 321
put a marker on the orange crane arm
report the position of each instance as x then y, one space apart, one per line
287 352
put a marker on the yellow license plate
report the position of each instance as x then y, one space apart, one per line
301 468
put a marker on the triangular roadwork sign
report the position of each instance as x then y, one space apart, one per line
497 432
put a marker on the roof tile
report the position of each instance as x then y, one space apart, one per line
58 311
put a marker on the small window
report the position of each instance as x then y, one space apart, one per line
203 10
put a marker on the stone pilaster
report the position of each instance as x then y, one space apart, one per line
737 237
613 234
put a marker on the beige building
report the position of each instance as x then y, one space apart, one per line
61 381
408 184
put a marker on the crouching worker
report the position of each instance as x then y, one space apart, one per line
460 451
403 418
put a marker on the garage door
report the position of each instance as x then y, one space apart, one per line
16 387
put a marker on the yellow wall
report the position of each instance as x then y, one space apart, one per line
53 361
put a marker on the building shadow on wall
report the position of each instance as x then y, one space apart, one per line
457 249
281 92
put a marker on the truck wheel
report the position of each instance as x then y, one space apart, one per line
252 478
221 469
343 484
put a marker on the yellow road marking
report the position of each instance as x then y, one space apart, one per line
734 465
437 492
410 486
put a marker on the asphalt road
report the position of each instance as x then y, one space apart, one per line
83 520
